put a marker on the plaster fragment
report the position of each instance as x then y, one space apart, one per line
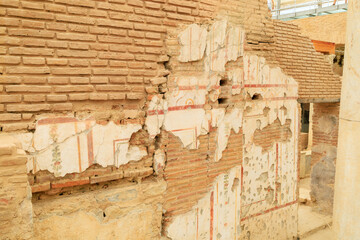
193 43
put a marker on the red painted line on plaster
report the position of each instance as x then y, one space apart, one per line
46 121
211 215
78 147
269 210
253 203
276 171
90 145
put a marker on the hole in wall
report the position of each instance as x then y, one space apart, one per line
223 82
223 100
104 215
256 96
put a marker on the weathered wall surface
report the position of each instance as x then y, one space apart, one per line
323 156
16 220
119 211
164 117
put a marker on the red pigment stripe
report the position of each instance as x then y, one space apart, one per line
176 108
90 146
269 210
56 120
211 215
46 121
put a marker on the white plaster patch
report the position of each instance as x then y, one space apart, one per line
67 145
193 43
159 160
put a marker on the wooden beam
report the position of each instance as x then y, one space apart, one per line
324 47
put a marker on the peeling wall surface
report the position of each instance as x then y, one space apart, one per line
323 156
171 120
262 182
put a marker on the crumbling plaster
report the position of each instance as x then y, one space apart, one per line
264 183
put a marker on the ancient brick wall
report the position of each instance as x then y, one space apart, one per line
323 156
140 114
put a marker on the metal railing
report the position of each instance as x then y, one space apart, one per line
312 8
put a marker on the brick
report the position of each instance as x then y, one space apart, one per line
32 5
34 42
56 61
81 46
56 26
115 7
10 98
147 27
77 10
158 80
78 63
74 88
31 33
106 178
10 79
112 88
117 79
40 187
98 96
118 16
33 61
10 117
62 107
28 70
79 80
27 107
97 13
117 96
183 3
78 96
27 116
75 37
71 71
78 28
15 127
55 8
135 96
121 64
57 44
30 14
136 34
56 98
69 183
24 88
98 63
9 3
180 17
31 51
152 5
98 30
9 22
117 48
33 24
151 43
80 3
58 80
116 56
78 54
109 71
34 98
152 35
133 49
99 80
10 60
135 80
112 39
34 80
113 23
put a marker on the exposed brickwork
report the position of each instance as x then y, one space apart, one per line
298 58
190 173
325 128
61 56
